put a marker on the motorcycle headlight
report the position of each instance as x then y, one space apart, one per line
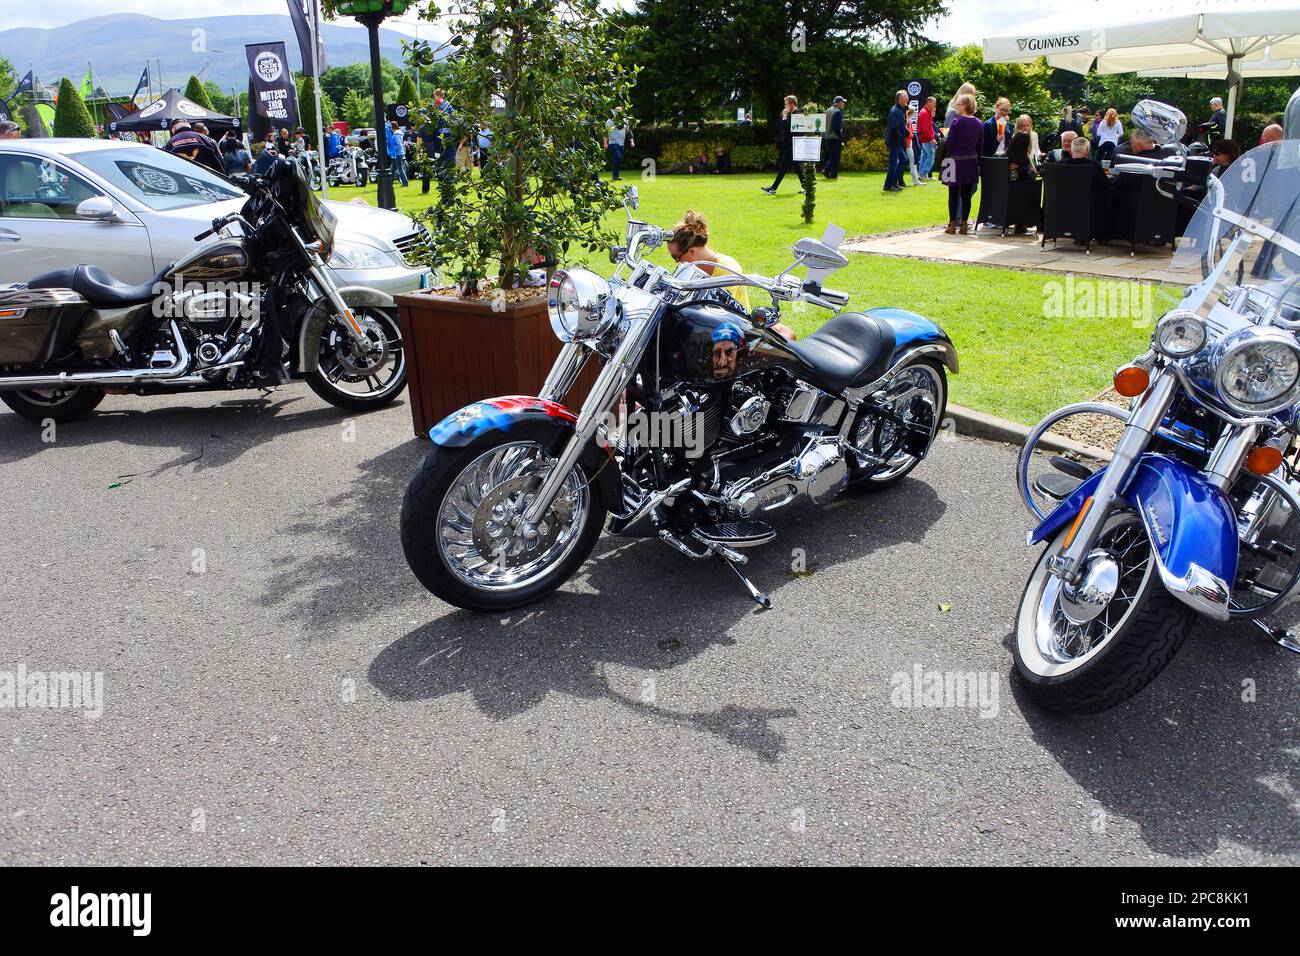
353 255
1179 334
1258 371
576 299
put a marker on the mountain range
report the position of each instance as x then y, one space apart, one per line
118 45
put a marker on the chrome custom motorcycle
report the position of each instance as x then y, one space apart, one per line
741 422
247 310
1195 513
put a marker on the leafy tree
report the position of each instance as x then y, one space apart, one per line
8 78
338 80
1024 84
358 110
307 111
71 118
194 91
222 102
696 56
557 68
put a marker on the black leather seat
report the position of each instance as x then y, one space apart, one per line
849 351
98 287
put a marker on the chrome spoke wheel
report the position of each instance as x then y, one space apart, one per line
916 396
483 538
369 372
1064 645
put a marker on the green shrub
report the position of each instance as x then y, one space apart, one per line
71 118
752 158
688 150
865 155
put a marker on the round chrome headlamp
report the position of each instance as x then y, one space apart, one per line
576 300
1179 334
1258 371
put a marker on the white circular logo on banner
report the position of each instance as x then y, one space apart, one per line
914 88
268 66
190 109
154 179
400 112
152 108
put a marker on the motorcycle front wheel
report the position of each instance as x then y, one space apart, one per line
1082 669
358 381
463 530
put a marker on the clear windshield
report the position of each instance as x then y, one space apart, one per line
1257 200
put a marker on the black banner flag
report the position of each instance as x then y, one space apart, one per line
273 101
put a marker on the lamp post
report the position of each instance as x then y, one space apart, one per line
371 13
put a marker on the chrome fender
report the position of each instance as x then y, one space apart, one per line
1191 524
318 313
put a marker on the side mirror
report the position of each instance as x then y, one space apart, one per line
97 209
817 255
633 198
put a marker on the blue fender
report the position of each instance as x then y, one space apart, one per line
1191 523
525 416
913 332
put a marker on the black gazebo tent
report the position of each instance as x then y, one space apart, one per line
159 115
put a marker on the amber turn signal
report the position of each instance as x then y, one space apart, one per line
1132 380
1264 460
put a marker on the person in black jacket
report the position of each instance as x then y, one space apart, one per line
834 138
896 133
194 146
784 143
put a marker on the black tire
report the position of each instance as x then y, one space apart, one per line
76 402
319 381
362 178
421 505
862 482
1142 644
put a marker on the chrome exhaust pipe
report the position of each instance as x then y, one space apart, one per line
109 379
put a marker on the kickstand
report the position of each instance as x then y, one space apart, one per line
1280 635
762 599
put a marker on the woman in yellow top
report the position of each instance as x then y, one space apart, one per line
690 243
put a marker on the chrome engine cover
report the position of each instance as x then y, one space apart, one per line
816 474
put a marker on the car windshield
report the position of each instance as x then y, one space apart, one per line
157 178
1262 188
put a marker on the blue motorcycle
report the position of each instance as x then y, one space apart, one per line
705 418
1195 511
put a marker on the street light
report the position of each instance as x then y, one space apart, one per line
371 13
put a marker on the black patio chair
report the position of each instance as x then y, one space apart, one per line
1070 210
1004 203
1140 214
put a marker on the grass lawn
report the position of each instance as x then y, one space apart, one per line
1015 361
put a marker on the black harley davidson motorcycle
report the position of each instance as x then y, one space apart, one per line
251 309
703 421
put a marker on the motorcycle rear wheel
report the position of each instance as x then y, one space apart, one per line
870 432
1083 669
58 405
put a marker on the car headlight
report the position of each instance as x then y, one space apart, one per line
1179 334
354 255
576 299
1258 370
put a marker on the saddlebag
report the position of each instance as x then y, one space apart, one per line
37 325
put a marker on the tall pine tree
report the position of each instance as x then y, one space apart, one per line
195 92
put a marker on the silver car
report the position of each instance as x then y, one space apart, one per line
138 223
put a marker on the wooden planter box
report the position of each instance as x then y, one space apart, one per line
460 351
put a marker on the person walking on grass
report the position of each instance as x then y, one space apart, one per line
617 136
925 132
784 143
911 153
896 142
834 137
961 166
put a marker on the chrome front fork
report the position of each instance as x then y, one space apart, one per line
1142 424
611 382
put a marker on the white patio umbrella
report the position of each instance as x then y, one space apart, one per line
1129 36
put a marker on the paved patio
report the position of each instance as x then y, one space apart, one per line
1022 252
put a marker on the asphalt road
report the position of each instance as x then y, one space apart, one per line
279 689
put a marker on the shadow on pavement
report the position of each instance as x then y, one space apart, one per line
651 609
207 437
1184 757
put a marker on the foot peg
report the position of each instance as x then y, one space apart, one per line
735 534
1280 635
1056 487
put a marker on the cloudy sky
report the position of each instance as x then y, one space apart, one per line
969 19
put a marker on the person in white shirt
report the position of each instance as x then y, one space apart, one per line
1109 132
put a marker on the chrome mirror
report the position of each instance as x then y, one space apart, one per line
96 208
817 255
